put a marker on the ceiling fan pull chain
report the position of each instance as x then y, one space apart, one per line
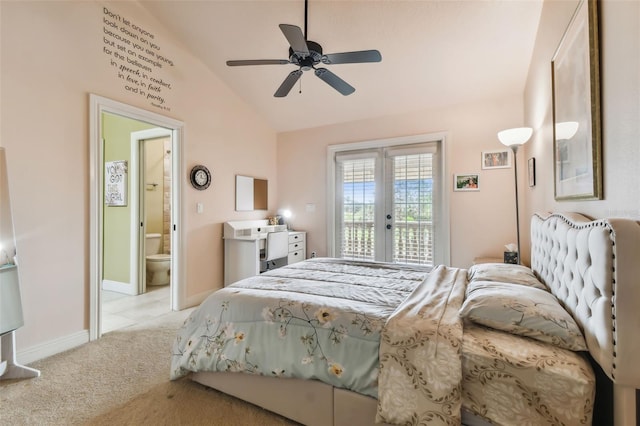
300 88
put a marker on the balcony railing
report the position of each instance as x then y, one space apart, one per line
412 242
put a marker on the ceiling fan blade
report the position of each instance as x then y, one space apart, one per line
287 84
257 62
352 57
295 38
334 81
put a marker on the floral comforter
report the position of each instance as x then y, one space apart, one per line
319 319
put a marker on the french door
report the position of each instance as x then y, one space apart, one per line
387 203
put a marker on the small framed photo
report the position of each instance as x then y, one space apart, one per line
468 182
532 171
499 159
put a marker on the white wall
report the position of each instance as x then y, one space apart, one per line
52 58
620 105
481 222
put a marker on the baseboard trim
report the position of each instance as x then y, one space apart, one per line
52 347
119 287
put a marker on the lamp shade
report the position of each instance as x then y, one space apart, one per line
516 136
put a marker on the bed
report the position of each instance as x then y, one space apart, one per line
429 346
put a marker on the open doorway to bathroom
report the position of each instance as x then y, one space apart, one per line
135 257
154 181
136 273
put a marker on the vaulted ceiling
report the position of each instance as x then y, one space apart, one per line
434 52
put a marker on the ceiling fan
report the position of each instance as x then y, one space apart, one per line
306 55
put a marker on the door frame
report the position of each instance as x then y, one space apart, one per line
97 106
388 205
443 232
138 187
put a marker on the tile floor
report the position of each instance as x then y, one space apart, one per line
122 310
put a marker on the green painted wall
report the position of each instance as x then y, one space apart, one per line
116 132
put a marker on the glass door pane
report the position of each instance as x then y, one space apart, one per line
412 225
357 188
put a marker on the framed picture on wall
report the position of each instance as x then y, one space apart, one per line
532 171
576 108
115 183
466 182
499 159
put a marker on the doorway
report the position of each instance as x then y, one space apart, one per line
385 204
130 237
148 293
152 159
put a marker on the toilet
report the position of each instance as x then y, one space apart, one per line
158 265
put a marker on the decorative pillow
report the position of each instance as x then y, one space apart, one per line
504 273
525 311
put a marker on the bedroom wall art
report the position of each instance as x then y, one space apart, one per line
467 182
115 191
576 108
532 171
251 193
498 159
137 58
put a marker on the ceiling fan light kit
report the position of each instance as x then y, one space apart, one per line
306 55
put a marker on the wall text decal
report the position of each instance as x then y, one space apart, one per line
136 55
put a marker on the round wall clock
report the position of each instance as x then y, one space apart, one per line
200 177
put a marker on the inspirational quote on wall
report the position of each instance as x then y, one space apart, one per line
137 58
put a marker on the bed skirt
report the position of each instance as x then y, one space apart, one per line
309 402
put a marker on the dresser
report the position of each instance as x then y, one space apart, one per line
243 241
297 246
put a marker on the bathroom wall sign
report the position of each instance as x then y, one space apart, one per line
115 183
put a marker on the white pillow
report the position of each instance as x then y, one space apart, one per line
505 273
521 310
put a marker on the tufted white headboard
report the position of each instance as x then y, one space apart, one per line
593 268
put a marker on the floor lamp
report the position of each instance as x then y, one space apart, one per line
513 138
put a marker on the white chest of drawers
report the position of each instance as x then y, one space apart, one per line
297 246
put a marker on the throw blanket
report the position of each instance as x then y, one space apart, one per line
420 378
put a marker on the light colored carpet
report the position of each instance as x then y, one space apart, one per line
122 379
